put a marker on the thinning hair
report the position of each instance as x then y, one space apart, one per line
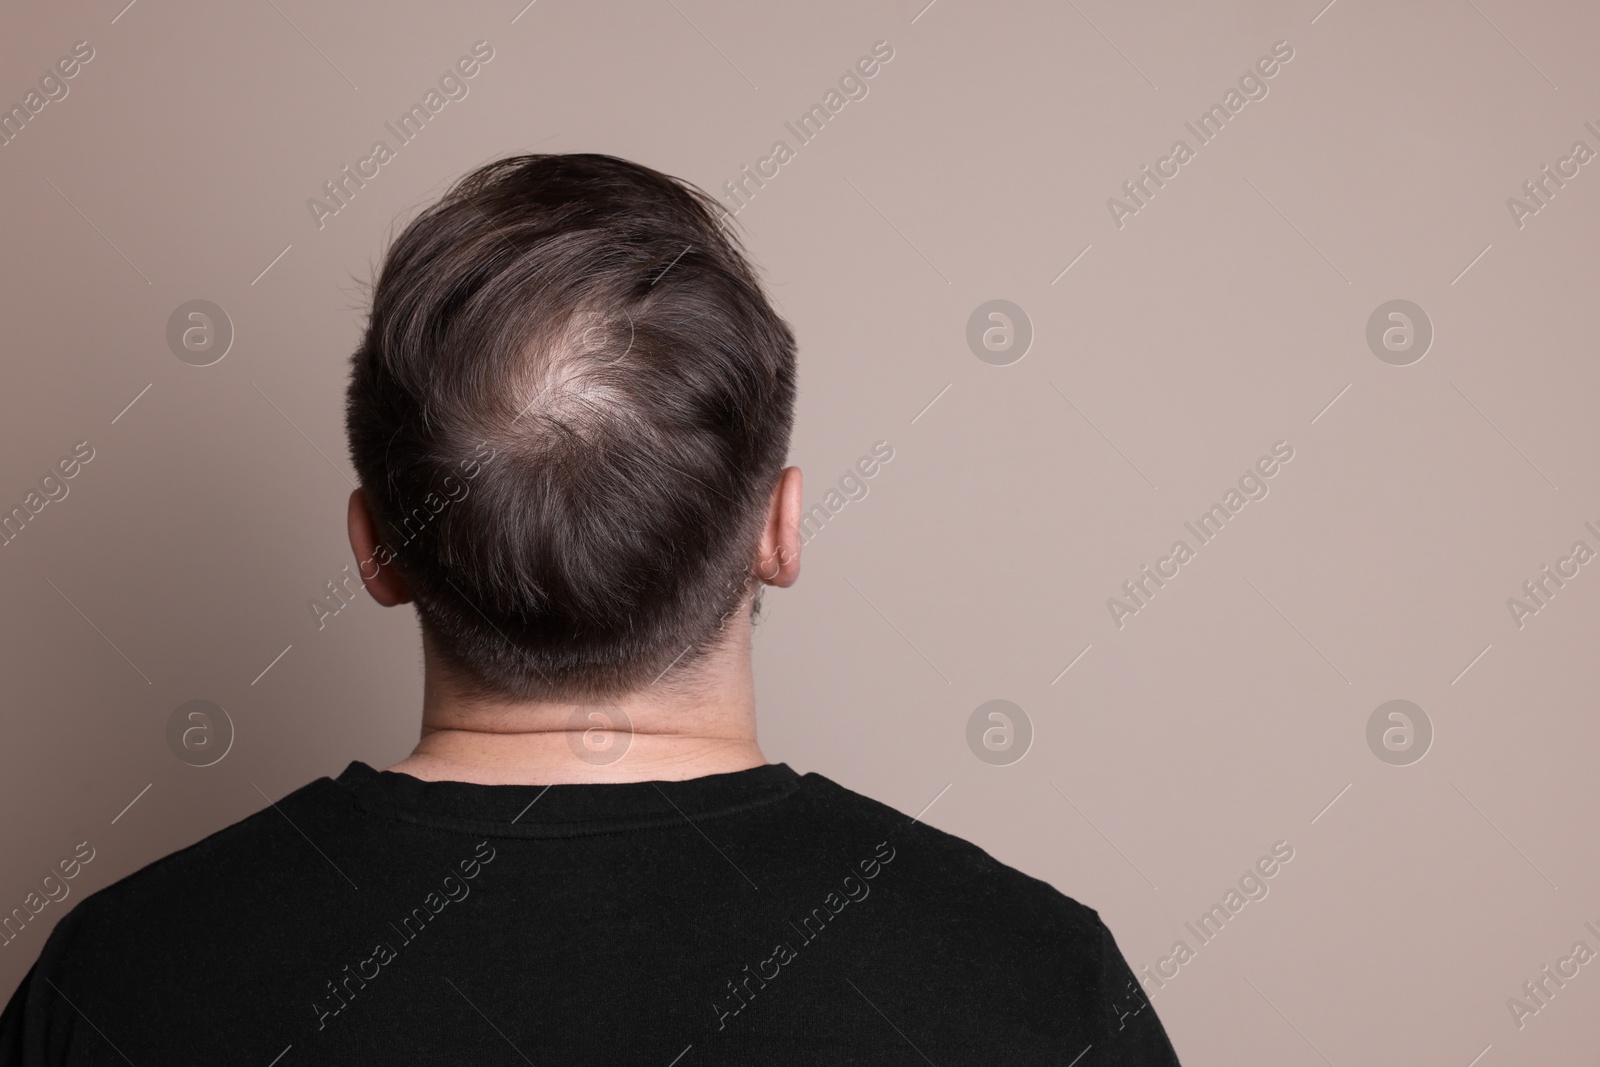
569 411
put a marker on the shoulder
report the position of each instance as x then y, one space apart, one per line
244 853
943 866
975 931
119 951
135 916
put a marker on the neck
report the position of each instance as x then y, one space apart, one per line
706 725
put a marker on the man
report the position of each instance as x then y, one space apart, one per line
570 414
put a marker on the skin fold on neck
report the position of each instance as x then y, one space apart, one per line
705 726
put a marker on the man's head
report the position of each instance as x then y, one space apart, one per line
569 414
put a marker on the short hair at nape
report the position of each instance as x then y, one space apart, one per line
569 410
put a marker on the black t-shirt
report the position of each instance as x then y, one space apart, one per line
758 917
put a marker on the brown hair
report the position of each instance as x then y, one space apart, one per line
568 412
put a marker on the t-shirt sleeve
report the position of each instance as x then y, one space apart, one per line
39 1027
25 1022
1128 1033
13 1046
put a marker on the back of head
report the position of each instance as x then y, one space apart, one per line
568 412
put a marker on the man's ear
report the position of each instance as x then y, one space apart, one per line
380 577
777 559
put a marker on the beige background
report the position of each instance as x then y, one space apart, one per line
1225 316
